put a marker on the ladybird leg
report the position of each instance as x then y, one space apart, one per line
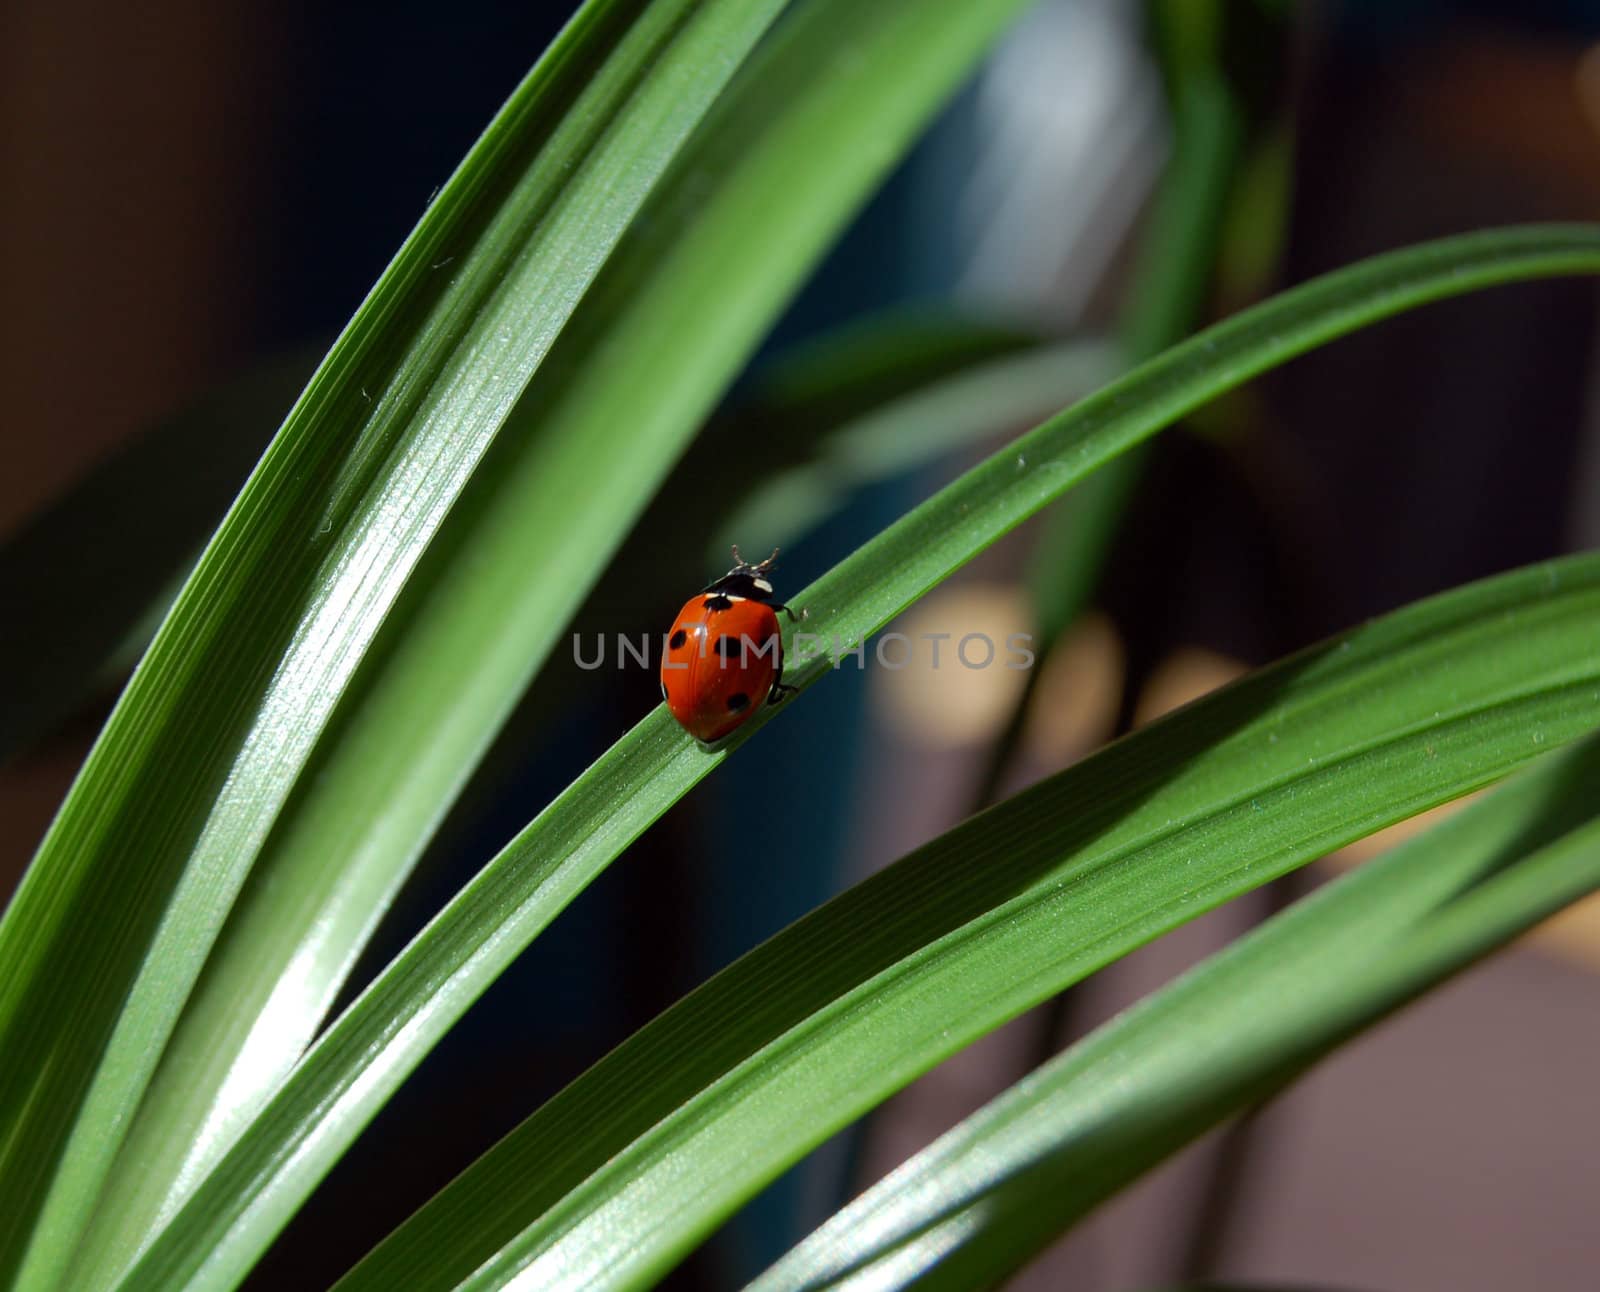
779 692
804 614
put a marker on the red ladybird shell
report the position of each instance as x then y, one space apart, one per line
723 656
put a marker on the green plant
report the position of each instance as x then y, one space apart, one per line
359 626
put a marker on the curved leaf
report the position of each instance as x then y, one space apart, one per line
790 151
631 1164
355 1066
994 1191
914 429
107 934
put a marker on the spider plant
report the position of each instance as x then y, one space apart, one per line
583 290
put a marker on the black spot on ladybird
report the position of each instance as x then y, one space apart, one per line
738 702
728 647
678 639
718 602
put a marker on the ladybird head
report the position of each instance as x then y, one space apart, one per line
747 580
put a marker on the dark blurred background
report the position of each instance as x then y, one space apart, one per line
196 193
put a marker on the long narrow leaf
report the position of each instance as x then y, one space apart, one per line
792 150
631 1164
365 1055
917 428
976 1204
103 941
455 649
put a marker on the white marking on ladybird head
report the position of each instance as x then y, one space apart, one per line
761 585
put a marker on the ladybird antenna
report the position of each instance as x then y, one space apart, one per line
767 564
737 559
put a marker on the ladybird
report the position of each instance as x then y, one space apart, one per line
724 653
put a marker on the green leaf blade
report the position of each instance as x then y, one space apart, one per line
995 1190
337 1088
629 1166
651 315
916 428
220 721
